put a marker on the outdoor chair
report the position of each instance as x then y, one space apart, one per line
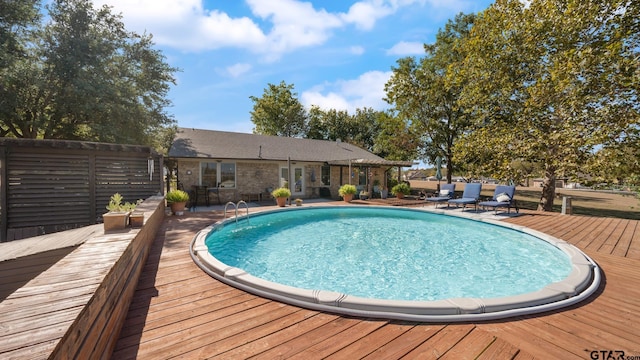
445 194
503 197
470 195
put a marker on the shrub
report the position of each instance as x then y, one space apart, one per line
177 196
282 192
347 189
401 188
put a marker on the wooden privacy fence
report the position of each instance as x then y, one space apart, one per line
53 185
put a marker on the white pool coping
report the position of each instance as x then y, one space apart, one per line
581 283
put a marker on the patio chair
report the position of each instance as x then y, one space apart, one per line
470 195
445 194
502 198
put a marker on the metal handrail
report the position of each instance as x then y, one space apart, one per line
236 207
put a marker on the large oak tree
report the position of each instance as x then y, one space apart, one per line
549 82
85 77
423 96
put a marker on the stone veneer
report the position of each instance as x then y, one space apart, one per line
256 176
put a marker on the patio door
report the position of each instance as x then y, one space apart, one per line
296 179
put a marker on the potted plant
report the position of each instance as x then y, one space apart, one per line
347 191
298 202
401 190
177 200
118 216
281 195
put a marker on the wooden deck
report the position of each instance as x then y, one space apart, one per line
180 312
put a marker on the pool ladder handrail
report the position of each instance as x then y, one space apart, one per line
236 206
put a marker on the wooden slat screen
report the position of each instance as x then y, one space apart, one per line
49 186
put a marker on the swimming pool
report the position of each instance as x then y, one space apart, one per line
395 263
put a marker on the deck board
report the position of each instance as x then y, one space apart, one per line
180 312
188 317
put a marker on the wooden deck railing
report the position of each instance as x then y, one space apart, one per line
76 308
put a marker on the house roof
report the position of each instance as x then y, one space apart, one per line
196 143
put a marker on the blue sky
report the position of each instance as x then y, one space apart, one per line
337 53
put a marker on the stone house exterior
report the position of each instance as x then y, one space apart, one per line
230 166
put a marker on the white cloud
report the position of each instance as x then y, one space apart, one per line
365 91
404 48
271 29
295 24
278 26
238 69
364 14
185 25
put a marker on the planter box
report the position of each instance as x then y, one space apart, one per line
136 219
115 221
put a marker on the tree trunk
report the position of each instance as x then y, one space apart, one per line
548 191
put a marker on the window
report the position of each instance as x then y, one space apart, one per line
362 176
209 173
326 175
218 173
227 175
284 177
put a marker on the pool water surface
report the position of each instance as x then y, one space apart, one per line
389 254
395 263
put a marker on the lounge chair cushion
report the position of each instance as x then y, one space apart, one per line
503 197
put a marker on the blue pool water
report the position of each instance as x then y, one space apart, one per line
394 254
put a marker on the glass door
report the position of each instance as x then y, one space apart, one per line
296 180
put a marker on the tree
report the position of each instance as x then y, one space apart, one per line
421 93
18 20
396 139
278 112
550 80
85 77
359 129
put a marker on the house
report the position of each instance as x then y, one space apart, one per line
228 166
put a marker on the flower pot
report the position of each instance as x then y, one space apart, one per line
281 201
400 195
136 219
347 197
384 193
178 207
115 221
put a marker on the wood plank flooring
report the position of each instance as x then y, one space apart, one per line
180 312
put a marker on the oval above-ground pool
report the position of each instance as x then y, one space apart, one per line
396 263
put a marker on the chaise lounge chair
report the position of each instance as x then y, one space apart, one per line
502 198
445 194
470 195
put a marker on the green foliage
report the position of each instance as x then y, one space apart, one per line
396 140
278 112
401 188
83 76
17 26
548 82
177 196
347 189
421 93
116 204
282 192
361 129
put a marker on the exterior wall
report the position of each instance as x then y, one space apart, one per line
256 177
377 173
